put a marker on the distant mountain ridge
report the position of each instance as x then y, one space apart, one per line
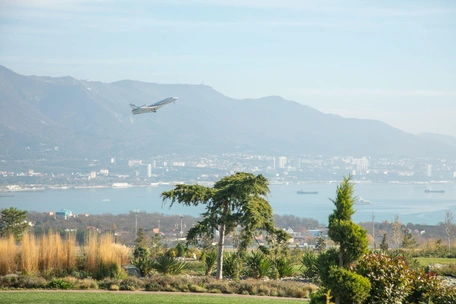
90 118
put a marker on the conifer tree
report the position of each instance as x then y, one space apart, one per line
353 244
235 200
384 245
13 222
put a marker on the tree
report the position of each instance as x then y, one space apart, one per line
397 236
235 200
320 245
13 222
351 238
449 228
353 244
384 245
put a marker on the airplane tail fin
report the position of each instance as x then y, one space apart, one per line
133 106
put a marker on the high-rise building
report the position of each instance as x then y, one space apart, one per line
282 161
362 164
149 170
429 170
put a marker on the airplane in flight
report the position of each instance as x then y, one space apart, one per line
153 107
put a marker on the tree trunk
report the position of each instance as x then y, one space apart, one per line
221 245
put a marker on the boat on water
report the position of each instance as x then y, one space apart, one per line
362 201
307 192
106 200
433 191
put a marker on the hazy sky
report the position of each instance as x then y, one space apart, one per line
393 61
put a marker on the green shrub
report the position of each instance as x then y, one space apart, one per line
196 288
309 267
390 278
321 296
210 259
446 270
258 264
58 283
283 266
348 286
32 282
232 265
132 284
87 284
107 283
22 281
168 265
428 288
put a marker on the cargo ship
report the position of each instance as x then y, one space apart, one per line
434 191
307 192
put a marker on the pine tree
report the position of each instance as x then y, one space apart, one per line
13 222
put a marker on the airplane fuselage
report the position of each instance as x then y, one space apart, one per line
153 107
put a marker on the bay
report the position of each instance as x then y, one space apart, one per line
408 201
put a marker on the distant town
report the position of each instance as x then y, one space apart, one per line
48 173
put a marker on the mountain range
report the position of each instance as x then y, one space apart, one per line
93 119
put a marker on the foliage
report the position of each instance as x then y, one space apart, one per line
325 261
258 264
142 239
309 264
384 245
321 296
58 283
168 265
156 246
283 266
450 228
210 258
232 265
141 259
348 285
132 284
390 278
351 237
236 200
320 245
13 222
181 249
428 288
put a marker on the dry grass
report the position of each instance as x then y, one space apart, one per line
29 255
8 255
51 255
104 258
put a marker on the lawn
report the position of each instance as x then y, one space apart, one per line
82 297
426 261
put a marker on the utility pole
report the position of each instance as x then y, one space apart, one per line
373 229
181 232
136 211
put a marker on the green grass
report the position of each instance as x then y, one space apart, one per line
93 297
426 261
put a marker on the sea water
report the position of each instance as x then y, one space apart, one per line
408 201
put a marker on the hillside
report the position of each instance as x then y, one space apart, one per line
91 119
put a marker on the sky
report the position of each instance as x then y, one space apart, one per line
391 60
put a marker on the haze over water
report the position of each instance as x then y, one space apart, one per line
408 201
